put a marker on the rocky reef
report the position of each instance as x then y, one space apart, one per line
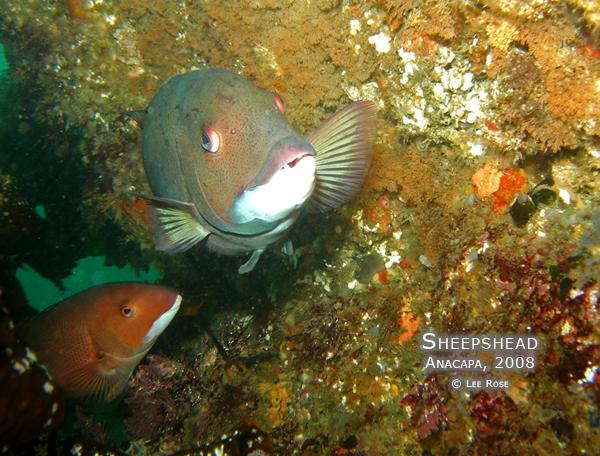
480 214
31 405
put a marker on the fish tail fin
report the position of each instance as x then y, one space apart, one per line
175 224
344 146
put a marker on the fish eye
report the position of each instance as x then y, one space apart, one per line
279 102
210 140
127 311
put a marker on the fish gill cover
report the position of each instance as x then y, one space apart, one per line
479 215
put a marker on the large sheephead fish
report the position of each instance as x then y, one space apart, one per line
225 165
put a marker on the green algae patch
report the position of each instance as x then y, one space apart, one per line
91 271
3 61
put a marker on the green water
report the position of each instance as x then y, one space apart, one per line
3 61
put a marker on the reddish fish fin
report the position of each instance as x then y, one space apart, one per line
120 376
85 381
344 146
117 386
94 381
176 224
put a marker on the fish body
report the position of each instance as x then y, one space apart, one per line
224 163
92 342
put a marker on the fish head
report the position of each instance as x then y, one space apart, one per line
130 317
243 159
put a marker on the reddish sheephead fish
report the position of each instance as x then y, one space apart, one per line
224 163
92 342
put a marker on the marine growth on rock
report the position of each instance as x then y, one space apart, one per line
478 215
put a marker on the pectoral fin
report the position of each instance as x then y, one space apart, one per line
251 263
175 224
344 146
93 381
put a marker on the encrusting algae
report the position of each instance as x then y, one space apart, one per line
479 214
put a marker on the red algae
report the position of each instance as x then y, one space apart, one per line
138 210
589 50
492 125
76 10
409 326
512 183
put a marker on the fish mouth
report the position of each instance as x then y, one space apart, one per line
282 186
162 322
293 162
286 153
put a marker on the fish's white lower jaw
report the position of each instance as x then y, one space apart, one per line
287 190
162 322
